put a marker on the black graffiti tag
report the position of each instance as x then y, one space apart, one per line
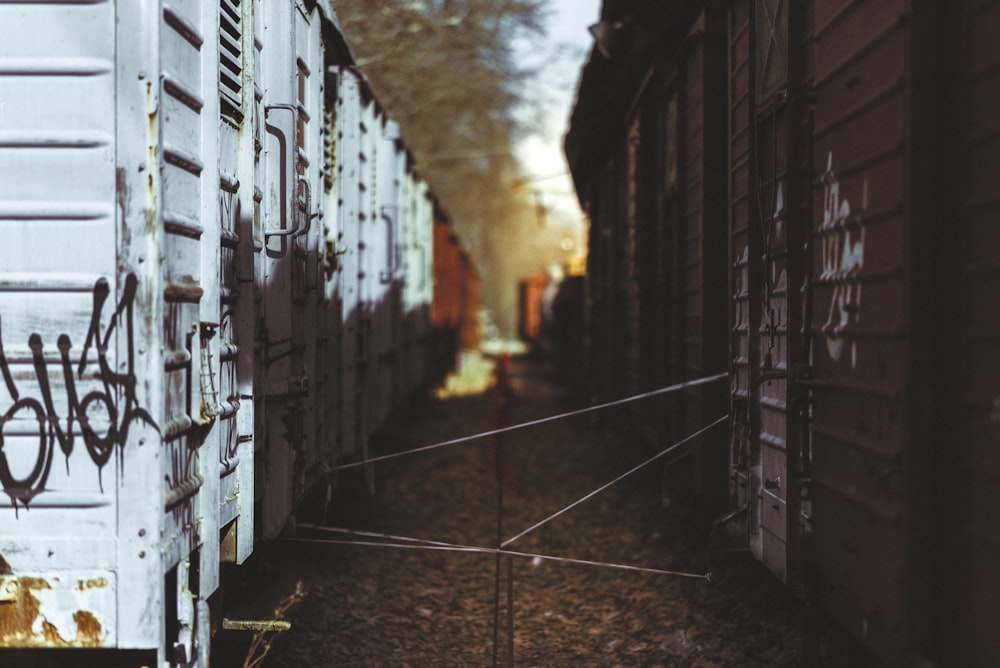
115 404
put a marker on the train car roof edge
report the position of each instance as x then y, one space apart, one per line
606 88
334 32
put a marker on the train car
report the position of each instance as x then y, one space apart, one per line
656 261
856 175
530 291
454 316
216 282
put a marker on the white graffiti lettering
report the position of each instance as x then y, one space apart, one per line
843 249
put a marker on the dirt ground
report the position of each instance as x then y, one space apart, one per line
382 606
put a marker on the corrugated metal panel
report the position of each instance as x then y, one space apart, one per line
349 188
859 320
743 282
702 270
418 265
190 266
651 268
981 328
237 294
681 250
328 294
292 167
59 289
280 350
305 275
670 318
366 363
385 238
631 271
766 236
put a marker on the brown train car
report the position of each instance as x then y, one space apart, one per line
907 142
656 262
469 334
454 311
850 211
529 305
968 437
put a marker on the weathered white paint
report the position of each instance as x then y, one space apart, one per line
139 228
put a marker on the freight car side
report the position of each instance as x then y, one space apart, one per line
656 262
862 158
214 240
865 455
79 426
455 309
969 585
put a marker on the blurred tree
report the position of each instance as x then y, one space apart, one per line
446 71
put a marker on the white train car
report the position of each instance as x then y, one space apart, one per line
214 285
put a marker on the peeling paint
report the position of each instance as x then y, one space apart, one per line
49 613
153 141
88 628
92 583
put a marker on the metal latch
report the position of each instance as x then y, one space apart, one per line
802 374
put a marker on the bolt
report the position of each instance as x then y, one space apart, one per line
142 532
142 555
10 587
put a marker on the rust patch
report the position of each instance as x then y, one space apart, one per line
88 629
121 188
52 636
152 144
17 618
38 584
92 583
5 568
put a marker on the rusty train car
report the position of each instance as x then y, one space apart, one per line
216 281
530 293
457 291
805 194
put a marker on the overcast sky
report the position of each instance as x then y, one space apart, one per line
542 154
